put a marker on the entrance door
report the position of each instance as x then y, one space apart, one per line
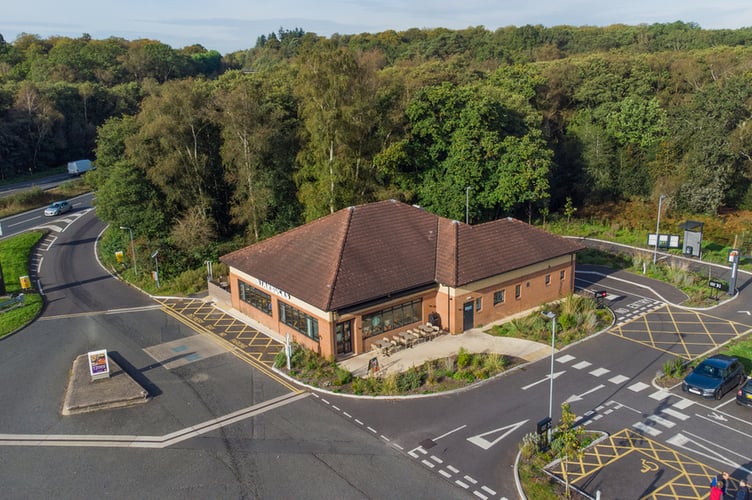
468 315
344 337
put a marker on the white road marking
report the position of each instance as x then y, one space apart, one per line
450 432
578 397
675 414
600 371
565 358
683 403
544 379
582 365
127 441
646 429
619 379
661 421
660 395
479 440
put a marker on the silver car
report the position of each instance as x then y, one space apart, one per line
57 208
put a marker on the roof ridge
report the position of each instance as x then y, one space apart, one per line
337 268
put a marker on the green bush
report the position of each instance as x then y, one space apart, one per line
342 376
410 380
673 368
464 358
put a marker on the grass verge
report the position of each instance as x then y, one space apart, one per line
15 253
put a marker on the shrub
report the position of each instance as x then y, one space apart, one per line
342 376
529 445
464 358
673 368
410 380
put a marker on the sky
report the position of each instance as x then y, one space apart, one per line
232 25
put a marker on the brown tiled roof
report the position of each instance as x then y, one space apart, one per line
367 252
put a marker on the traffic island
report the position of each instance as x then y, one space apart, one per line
87 394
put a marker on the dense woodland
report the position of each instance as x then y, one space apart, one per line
202 152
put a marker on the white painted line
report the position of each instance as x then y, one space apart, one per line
470 480
646 429
619 379
333 406
358 422
453 469
661 421
398 446
428 464
450 432
384 438
639 386
660 395
565 358
371 429
149 441
437 459
480 495
325 401
445 473
599 372
460 483
488 490
683 404
346 414
675 414
582 364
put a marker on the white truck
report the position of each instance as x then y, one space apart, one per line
78 167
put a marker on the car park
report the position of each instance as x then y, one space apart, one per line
58 208
714 377
744 394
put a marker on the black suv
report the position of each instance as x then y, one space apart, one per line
714 377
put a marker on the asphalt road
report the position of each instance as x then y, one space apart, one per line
215 427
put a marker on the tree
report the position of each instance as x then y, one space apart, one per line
568 443
177 145
338 111
257 136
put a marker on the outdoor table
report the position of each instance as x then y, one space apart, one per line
407 339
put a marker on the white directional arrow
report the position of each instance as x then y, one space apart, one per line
745 312
486 444
574 397
718 416
544 379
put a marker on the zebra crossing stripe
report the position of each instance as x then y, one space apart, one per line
646 428
675 414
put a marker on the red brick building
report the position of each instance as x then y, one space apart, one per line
344 281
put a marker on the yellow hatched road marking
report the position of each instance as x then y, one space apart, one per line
237 351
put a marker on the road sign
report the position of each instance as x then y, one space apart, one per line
720 285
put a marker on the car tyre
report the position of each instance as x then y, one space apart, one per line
718 394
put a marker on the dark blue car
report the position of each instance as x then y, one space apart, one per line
714 377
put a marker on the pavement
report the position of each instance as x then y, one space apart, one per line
474 341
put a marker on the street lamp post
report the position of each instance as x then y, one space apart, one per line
133 247
658 228
552 317
467 204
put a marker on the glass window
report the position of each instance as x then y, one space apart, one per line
561 275
548 279
478 303
392 318
499 297
299 321
517 291
255 297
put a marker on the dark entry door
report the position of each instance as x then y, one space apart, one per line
468 315
344 337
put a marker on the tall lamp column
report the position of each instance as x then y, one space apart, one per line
552 317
